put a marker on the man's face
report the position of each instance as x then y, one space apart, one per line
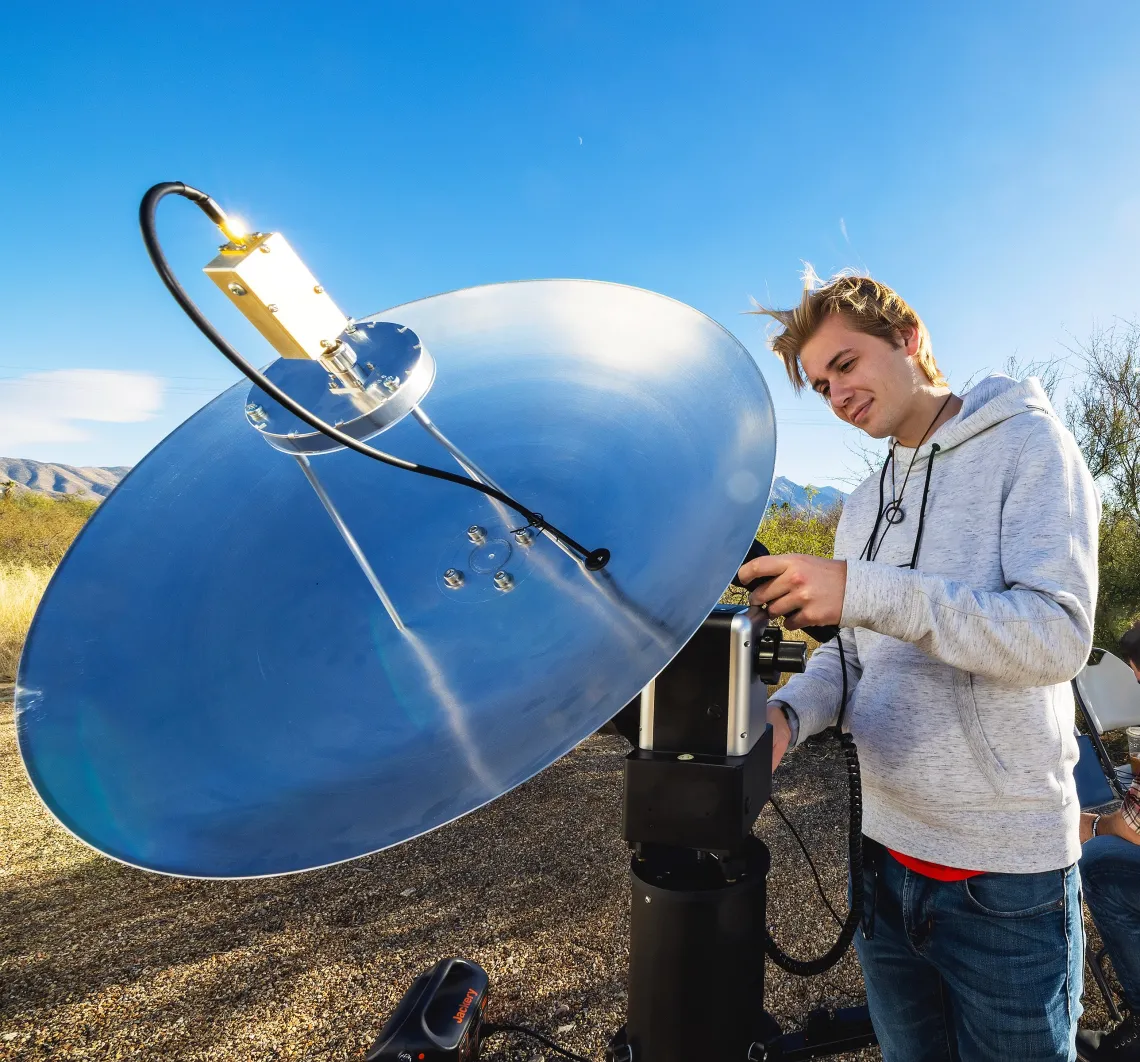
866 380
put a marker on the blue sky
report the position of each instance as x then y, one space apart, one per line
984 159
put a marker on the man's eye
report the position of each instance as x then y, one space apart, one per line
846 365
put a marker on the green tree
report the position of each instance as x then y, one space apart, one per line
1103 413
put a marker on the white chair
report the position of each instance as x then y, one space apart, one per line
1108 696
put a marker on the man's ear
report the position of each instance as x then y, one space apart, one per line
909 337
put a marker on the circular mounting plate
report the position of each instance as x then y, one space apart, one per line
386 354
211 686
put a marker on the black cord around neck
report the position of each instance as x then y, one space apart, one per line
934 449
893 512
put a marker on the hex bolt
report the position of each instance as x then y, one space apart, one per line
503 580
350 329
477 534
453 578
523 536
236 289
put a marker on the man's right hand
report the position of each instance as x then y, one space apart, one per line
781 732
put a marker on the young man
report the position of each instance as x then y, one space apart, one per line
1110 872
964 583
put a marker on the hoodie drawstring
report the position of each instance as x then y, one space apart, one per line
934 448
871 549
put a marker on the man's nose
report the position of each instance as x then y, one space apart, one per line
840 395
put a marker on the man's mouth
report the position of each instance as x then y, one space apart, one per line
861 413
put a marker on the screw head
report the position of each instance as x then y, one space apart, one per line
477 534
318 290
504 580
264 248
686 756
236 289
391 383
648 900
523 536
453 578
272 307
350 329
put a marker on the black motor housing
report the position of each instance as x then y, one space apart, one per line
696 962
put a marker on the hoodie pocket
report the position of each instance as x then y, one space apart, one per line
984 754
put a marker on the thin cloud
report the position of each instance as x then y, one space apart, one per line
843 229
49 407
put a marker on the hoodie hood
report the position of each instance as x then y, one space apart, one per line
990 401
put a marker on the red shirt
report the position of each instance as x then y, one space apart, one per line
934 870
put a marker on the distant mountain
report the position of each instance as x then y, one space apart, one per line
784 490
94 484
91 484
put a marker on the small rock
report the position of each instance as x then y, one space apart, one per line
407 892
564 1028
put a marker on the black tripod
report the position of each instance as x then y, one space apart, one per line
694 786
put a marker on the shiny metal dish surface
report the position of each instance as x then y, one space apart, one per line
213 685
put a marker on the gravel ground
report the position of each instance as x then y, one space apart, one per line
100 961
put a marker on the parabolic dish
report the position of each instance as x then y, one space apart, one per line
212 687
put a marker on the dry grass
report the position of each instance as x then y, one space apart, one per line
100 961
21 587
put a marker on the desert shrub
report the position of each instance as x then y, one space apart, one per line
1118 603
36 530
788 530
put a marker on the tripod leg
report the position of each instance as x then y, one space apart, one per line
350 541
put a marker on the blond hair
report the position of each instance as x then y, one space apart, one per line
867 305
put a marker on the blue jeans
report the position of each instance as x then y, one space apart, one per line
978 970
1110 873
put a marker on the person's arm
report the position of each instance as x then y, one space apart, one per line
1123 823
1039 631
814 696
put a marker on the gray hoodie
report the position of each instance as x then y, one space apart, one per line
959 670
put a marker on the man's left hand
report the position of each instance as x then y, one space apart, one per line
807 591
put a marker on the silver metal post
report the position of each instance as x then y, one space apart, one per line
350 541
